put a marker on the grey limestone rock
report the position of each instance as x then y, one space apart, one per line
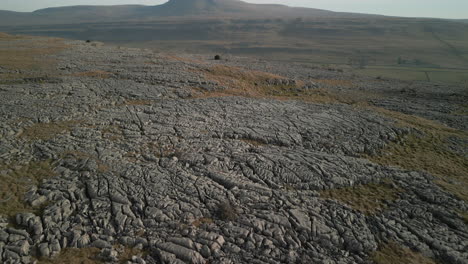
147 157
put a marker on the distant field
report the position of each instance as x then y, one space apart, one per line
417 74
409 49
383 40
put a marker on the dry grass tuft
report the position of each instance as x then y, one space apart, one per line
368 198
112 132
138 102
181 59
464 216
46 131
463 110
93 74
16 180
74 256
79 155
202 221
254 142
126 253
163 149
336 83
91 255
392 253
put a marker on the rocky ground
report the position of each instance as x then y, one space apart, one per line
115 155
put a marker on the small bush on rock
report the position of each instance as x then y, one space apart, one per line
226 211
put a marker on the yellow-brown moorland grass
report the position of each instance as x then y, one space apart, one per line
257 84
16 180
392 253
367 198
46 131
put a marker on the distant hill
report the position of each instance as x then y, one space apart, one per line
264 30
174 8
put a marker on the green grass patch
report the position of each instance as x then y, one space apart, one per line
367 198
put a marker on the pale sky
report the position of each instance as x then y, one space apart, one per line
412 8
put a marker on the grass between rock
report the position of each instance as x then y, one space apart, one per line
426 150
226 211
256 84
93 74
112 132
345 83
16 180
138 102
91 255
202 221
46 131
392 253
79 155
254 142
126 253
367 198
74 256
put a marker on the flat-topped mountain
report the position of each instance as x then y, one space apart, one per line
232 7
212 8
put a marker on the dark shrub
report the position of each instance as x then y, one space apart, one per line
217 57
226 211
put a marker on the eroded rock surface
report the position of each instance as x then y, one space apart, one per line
231 179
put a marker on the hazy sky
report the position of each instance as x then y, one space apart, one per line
419 8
